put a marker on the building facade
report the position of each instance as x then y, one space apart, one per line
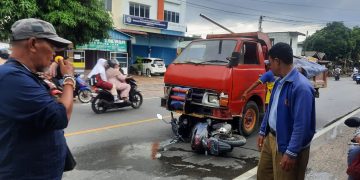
156 26
286 37
117 46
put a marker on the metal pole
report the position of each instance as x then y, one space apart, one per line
260 23
207 18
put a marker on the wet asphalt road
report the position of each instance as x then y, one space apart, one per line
120 144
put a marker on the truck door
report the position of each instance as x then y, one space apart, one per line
250 68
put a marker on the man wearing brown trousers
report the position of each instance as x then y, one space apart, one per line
289 124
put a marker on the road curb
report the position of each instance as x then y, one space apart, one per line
251 174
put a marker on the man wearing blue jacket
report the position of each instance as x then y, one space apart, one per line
289 124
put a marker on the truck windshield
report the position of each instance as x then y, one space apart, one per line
207 52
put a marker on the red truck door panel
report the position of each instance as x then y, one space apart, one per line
250 68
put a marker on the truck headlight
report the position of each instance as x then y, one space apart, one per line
214 99
211 99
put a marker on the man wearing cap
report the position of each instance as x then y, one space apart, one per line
32 140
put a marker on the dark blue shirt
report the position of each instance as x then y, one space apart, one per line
32 139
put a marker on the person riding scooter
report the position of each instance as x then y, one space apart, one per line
102 82
337 72
118 79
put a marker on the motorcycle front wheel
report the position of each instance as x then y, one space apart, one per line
84 96
136 100
234 140
97 105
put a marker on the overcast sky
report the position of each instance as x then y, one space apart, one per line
280 15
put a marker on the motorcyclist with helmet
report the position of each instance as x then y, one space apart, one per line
118 79
99 72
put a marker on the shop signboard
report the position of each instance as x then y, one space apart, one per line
140 21
114 45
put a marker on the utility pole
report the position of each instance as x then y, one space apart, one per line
207 18
260 23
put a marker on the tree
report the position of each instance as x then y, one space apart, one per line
334 40
356 42
77 20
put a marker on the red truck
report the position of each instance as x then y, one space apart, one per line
206 81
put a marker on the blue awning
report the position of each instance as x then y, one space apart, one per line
115 34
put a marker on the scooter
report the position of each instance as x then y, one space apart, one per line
104 100
337 76
82 90
207 137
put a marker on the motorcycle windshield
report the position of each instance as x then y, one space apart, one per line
212 77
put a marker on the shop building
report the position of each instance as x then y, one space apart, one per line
116 47
156 26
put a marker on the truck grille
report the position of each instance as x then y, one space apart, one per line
197 95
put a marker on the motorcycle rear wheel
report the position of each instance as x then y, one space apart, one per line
136 100
84 96
96 106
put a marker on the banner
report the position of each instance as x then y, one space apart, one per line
140 21
105 45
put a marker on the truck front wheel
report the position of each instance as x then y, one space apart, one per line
250 121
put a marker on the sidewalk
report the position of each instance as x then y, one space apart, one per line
328 157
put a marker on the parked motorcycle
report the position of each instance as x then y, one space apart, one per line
104 100
206 136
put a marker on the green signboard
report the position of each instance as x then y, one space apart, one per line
105 45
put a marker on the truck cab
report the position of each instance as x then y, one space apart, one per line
207 80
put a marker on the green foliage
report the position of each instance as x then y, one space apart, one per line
335 40
77 20
356 42
139 65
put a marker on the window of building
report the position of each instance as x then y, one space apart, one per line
108 5
171 16
140 10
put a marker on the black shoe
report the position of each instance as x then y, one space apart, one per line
352 122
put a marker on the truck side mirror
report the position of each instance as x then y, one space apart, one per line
234 59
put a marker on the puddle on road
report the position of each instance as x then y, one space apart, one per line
171 162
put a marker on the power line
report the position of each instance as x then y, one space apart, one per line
244 14
262 11
302 5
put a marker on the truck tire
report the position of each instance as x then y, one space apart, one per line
250 121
